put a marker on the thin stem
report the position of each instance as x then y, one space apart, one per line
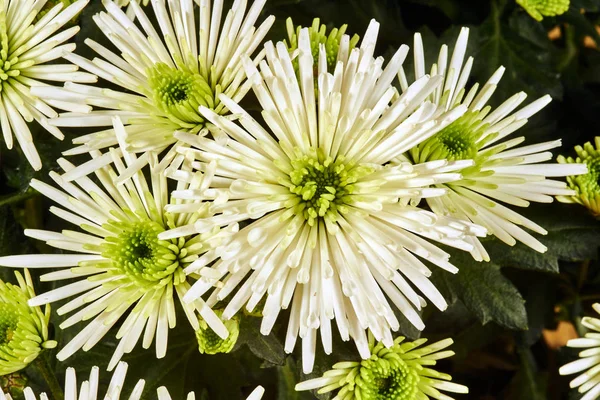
43 365
583 273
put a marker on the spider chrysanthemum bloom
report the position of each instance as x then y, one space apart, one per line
504 172
165 74
27 44
589 381
23 328
333 231
586 186
538 9
122 269
401 372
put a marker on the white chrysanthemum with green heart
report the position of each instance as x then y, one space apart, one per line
28 43
503 171
122 269
333 232
163 75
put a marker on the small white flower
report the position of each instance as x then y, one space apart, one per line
25 46
89 388
165 74
503 172
334 236
589 381
120 266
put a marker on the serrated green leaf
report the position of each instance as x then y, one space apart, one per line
484 291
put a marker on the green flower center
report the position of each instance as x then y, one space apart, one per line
178 94
7 69
136 251
461 140
387 379
323 185
9 320
589 183
457 144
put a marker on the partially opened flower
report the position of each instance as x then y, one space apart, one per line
504 172
120 266
401 372
337 44
589 363
586 186
332 232
210 343
27 44
164 75
23 328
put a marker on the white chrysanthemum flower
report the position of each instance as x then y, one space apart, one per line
26 45
165 75
89 388
334 233
121 267
503 172
589 381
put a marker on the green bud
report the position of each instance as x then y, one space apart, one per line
318 35
23 329
210 343
538 9
587 185
403 371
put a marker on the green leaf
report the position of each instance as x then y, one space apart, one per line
267 348
484 291
522 46
588 5
287 378
12 239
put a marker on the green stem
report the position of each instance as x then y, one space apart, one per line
583 273
16 198
43 366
